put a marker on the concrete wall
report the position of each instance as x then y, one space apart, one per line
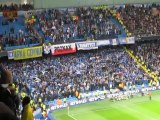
8 2
76 3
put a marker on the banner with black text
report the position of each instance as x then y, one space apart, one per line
87 45
63 49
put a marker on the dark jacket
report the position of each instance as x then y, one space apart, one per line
6 113
8 99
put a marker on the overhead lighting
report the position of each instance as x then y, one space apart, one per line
25 2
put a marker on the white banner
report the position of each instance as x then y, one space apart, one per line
46 48
87 45
114 42
103 42
130 40
10 55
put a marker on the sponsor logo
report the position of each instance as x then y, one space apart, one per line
58 106
78 102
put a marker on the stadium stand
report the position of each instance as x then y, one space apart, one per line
19 7
141 20
149 55
57 26
16 33
79 24
54 80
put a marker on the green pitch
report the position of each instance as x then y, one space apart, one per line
137 108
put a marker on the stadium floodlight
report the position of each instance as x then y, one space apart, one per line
25 2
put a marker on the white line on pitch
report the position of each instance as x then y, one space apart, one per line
93 110
72 117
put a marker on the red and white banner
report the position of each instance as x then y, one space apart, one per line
63 49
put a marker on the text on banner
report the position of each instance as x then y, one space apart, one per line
26 53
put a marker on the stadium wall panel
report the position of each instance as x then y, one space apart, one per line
78 3
8 2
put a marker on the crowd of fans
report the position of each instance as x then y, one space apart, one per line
149 53
59 77
79 24
143 20
64 25
20 38
17 37
33 35
23 37
60 26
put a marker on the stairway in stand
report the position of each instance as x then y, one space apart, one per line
141 63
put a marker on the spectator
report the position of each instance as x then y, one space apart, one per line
7 92
6 113
27 113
